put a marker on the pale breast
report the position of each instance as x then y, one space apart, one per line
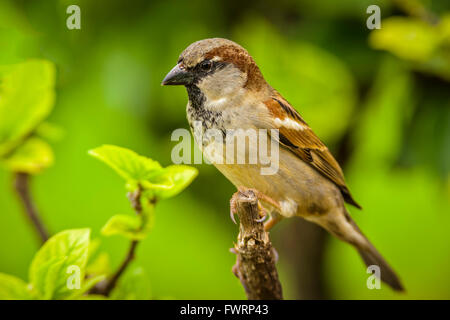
299 188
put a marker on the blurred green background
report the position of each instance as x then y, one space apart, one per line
380 100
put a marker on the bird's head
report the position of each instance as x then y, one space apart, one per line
218 67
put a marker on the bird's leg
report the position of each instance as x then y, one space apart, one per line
233 209
274 217
262 212
273 220
263 197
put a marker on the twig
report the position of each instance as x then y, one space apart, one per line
22 187
256 258
111 284
105 287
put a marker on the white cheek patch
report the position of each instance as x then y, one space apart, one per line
221 87
218 103
289 124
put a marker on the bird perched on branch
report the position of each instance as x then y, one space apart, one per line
229 95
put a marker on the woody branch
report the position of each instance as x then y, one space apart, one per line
22 188
255 262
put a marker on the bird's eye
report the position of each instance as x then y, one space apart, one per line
206 65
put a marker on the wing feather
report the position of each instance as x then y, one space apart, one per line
297 136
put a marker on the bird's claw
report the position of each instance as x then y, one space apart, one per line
232 216
260 196
262 219
269 224
233 208
263 213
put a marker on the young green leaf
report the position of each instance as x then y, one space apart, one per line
408 38
88 284
31 157
26 99
128 164
138 170
133 285
51 271
64 255
131 227
180 176
13 288
100 265
94 246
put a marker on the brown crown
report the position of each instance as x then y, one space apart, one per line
227 51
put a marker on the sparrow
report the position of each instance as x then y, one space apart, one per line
228 92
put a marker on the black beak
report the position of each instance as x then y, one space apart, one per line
177 76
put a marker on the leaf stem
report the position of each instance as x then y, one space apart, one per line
105 288
113 280
22 187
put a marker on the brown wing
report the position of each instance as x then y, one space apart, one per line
297 136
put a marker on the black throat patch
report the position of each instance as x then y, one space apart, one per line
210 119
196 96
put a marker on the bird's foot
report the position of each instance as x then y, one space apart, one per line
273 220
233 209
262 213
263 197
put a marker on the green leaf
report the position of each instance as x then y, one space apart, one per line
157 182
100 265
424 45
94 245
133 285
407 38
88 284
32 157
131 227
51 264
50 272
143 171
180 177
128 164
13 288
26 99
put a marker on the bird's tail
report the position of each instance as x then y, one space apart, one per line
368 252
